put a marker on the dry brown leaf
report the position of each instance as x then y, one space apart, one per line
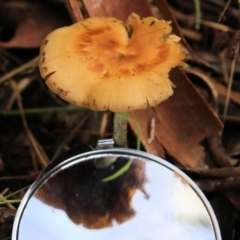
74 10
182 121
32 27
144 118
118 9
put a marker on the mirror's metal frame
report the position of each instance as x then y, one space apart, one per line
125 152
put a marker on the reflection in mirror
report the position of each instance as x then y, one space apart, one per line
149 201
80 191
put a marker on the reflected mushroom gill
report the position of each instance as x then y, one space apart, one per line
80 192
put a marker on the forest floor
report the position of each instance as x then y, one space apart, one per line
197 130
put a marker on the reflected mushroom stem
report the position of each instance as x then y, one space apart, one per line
120 130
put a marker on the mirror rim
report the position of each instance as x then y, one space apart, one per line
102 153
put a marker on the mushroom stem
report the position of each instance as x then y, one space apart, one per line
120 130
120 139
120 136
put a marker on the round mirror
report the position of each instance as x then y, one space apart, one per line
79 199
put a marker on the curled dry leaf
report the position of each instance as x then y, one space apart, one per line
108 64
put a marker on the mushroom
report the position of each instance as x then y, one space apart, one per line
103 63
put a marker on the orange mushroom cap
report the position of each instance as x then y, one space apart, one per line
103 63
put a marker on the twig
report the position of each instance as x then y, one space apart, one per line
222 56
221 16
216 185
233 119
34 158
4 191
229 87
31 64
223 172
42 157
18 191
5 201
217 150
10 56
71 135
21 86
2 197
17 178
